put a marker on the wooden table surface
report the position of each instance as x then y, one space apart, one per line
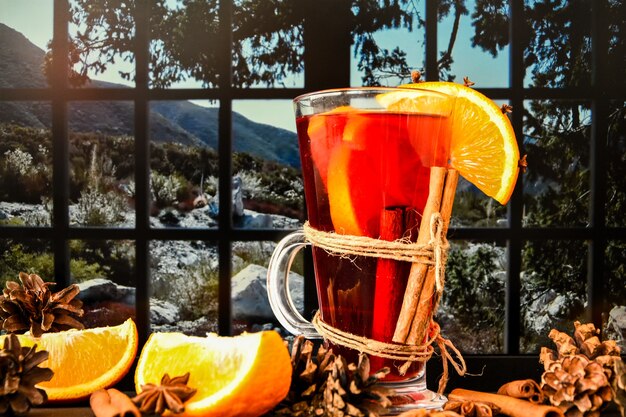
86 412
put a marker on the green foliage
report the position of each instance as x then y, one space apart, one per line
257 253
474 291
19 258
32 258
194 291
25 164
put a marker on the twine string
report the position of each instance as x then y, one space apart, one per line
407 353
434 254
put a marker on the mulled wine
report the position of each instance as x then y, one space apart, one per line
366 173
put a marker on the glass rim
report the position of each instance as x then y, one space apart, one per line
337 91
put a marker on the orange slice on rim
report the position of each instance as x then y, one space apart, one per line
483 147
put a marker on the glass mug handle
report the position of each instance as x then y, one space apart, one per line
278 286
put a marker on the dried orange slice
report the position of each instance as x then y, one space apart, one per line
84 361
483 146
245 375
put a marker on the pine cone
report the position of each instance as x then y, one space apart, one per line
325 385
619 385
309 374
579 374
577 385
35 307
19 373
351 391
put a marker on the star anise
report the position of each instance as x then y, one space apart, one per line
170 395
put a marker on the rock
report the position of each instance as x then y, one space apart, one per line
163 312
170 217
616 325
541 315
253 220
4 215
101 289
199 327
249 294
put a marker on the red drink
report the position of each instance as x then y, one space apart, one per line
366 173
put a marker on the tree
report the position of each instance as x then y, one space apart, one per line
267 39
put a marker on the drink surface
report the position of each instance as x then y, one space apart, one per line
367 174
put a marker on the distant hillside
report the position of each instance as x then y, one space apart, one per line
170 121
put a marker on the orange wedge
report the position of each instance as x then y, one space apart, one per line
245 375
344 192
84 361
323 137
483 146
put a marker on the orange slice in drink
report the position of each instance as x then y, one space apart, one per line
84 361
354 195
324 133
245 375
483 146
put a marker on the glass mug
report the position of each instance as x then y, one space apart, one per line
366 155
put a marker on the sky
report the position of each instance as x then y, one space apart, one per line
33 18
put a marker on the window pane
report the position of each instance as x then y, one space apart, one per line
25 164
559 50
25 30
267 181
184 45
184 286
102 44
388 43
471 313
32 256
184 163
473 41
556 184
251 310
268 44
616 166
554 290
105 272
102 182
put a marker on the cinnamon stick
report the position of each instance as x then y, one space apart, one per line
510 406
419 269
112 403
428 297
388 287
525 389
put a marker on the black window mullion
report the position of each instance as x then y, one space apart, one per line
512 327
225 146
327 39
142 170
431 67
60 145
597 163
327 43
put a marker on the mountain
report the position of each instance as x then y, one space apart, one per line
170 121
